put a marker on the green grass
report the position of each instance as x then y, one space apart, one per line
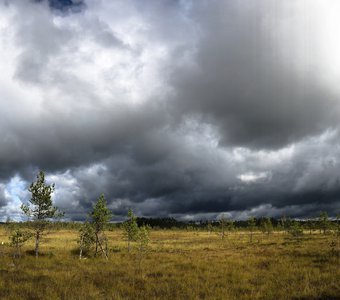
178 265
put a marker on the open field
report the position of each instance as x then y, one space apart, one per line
178 265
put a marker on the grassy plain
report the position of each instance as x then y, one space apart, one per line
178 265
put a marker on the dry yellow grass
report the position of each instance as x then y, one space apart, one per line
179 265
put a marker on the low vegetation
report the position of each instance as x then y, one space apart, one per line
178 264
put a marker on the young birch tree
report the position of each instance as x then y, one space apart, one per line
251 226
130 229
100 216
143 239
324 222
87 238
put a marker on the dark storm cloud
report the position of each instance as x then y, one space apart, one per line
65 5
191 186
179 108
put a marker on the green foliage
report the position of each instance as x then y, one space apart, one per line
190 228
295 229
130 229
225 225
266 226
210 228
310 225
143 238
87 238
251 225
40 207
100 217
324 223
18 238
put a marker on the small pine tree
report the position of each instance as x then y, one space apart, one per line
17 239
251 226
210 228
283 223
310 224
225 225
100 216
130 229
143 239
87 238
266 226
324 222
40 207
295 229
222 226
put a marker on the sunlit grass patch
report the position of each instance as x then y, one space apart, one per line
178 265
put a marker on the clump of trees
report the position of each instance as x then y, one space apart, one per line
134 233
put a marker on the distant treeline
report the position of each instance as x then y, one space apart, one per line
172 223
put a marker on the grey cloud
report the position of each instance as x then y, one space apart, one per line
257 94
179 184
3 200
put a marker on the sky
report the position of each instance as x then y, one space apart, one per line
175 108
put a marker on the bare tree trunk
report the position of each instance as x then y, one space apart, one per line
97 242
37 239
101 248
81 247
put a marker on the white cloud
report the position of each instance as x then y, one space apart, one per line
252 177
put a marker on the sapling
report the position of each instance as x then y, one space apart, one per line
143 243
251 225
225 225
100 216
324 223
266 226
87 238
40 207
130 229
17 239
295 229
